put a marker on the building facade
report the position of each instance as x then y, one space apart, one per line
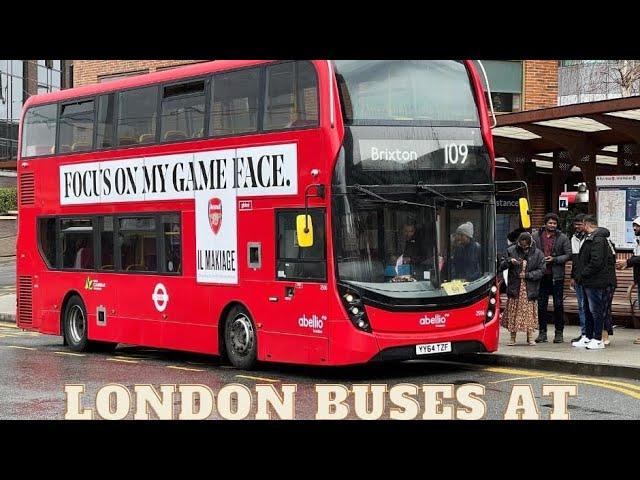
518 85
19 79
85 72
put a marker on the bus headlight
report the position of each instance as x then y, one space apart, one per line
355 309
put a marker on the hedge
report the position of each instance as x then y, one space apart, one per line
8 199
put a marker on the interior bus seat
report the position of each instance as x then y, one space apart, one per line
136 266
80 146
147 138
174 136
64 149
199 133
123 141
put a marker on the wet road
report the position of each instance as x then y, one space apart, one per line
35 368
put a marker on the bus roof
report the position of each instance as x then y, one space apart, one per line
187 71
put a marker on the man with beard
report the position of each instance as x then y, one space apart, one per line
557 250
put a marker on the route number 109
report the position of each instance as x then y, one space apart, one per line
454 154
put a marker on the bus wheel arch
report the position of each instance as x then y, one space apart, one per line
237 336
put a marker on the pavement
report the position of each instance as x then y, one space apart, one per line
620 359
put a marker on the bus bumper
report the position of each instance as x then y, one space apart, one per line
362 347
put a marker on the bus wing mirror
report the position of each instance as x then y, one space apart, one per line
304 231
525 218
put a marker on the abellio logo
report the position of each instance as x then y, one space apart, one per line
437 320
314 322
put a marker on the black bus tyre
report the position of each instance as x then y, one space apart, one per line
75 325
240 339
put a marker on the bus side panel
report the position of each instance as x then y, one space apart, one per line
289 348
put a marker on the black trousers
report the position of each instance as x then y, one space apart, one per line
555 288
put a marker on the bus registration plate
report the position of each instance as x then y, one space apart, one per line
427 348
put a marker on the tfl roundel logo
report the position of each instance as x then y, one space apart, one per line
215 214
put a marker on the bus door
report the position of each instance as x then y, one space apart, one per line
299 300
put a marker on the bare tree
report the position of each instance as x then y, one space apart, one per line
600 79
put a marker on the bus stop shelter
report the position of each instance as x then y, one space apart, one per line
545 147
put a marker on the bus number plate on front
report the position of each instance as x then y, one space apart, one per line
427 348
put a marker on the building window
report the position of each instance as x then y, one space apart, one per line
505 81
295 262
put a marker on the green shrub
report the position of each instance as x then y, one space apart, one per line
8 199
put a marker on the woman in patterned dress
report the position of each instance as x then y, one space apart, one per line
526 266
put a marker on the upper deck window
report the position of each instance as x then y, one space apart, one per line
76 127
137 116
406 92
291 97
234 105
183 108
39 131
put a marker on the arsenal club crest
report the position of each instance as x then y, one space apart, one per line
215 214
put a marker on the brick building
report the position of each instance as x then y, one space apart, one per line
85 72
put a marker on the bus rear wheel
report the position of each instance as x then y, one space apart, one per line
240 338
75 329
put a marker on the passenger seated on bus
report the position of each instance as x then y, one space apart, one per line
465 254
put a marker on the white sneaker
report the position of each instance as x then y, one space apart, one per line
581 343
595 344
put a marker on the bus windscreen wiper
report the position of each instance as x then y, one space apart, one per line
361 189
447 198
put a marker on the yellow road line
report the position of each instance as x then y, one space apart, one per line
8 325
607 383
175 367
518 378
21 348
121 360
257 378
71 354
515 371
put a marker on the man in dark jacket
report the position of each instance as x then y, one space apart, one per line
557 250
465 258
596 272
634 261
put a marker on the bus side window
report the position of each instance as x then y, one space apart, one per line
172 243
295 262
77 243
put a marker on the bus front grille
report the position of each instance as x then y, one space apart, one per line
25 301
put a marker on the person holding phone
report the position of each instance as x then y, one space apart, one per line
526 266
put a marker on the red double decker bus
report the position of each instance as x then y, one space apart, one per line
312 212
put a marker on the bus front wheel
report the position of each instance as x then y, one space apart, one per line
240 338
